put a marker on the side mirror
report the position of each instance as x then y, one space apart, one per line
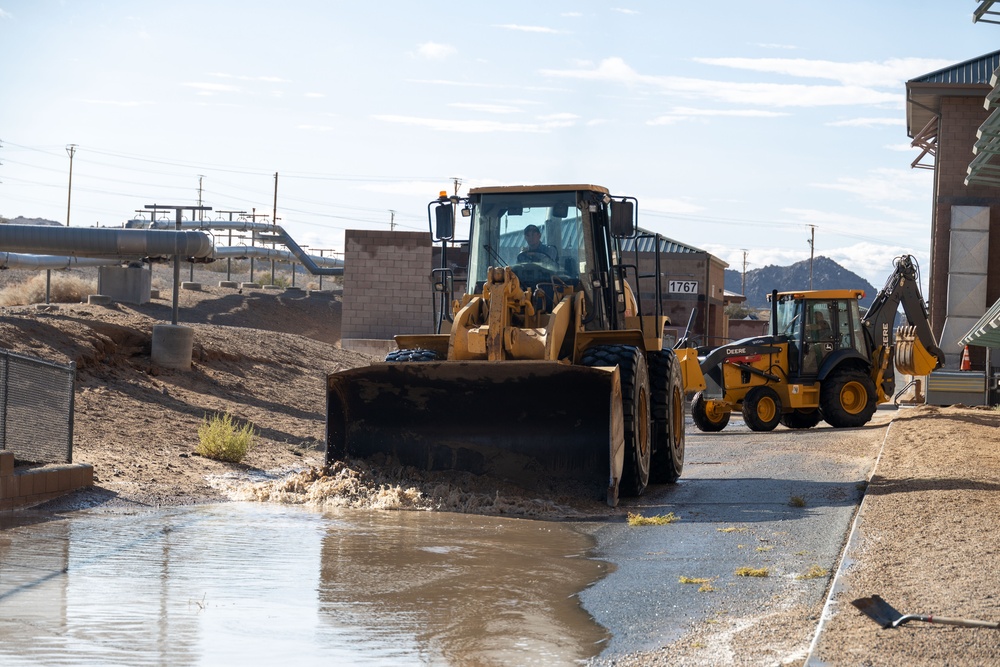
560 210
622 219
444 219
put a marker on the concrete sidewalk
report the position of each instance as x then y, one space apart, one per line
927 542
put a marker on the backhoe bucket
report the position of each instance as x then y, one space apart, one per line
528 422
912 358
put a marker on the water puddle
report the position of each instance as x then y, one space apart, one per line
246 583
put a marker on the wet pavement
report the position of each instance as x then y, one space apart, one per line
241 583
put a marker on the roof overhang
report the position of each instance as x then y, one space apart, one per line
985 167
985 14
985 332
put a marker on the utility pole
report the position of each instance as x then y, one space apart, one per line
392 220
743 283
201 214
71 151
274 221
812 251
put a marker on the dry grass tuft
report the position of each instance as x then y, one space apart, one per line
64 288
797 501
659 520
752 572
814 572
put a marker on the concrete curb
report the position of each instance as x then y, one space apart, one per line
829 607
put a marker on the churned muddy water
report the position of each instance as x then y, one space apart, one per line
244 583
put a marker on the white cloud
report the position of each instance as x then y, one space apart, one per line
435 51
212 88
474 126
315 95
5 14
314 128
887 74
668 206
572 15
616 70
119 103
486 108
623 10
527 28
884 185
867 122
681 114
787 47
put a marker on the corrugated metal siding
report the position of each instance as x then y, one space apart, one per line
977 70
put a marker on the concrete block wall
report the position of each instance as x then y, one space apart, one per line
23 487
387 285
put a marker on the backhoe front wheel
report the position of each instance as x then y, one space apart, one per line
761 409
706 416
636 411
847 398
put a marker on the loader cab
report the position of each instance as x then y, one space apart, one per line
818 326
572 252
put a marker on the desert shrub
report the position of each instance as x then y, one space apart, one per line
221 439
64 288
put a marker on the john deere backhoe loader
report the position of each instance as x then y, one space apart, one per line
822 360
549 366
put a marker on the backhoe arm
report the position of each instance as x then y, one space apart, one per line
916 348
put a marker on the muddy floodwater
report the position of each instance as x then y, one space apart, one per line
244 583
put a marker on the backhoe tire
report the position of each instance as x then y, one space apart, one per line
667 461
413 355
636 411
801 418
847 398
761 409
706 421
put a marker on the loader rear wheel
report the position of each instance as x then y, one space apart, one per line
707 420
631 364
413 355
667 460
801 418
847 398
761 409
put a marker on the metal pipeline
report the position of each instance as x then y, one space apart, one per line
104 242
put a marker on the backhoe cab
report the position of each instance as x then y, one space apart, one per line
823 360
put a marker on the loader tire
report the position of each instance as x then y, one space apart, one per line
801 418
847 398
761 409
636 411
667 460
413 355
705 421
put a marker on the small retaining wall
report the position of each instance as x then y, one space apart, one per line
25 486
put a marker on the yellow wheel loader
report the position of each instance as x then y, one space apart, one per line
823 360
549 366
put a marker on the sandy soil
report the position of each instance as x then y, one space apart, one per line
929 541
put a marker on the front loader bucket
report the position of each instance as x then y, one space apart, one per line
912 358
524 421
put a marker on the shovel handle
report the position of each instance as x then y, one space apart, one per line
944 620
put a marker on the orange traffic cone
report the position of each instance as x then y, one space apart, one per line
966 364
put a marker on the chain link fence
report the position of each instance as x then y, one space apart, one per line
36 408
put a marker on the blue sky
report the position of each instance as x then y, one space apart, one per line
738 126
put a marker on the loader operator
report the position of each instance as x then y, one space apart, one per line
535 250
820 328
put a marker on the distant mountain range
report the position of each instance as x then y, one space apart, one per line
21 220
826 274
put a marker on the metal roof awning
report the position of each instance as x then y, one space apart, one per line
985 10
984 168
985 332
